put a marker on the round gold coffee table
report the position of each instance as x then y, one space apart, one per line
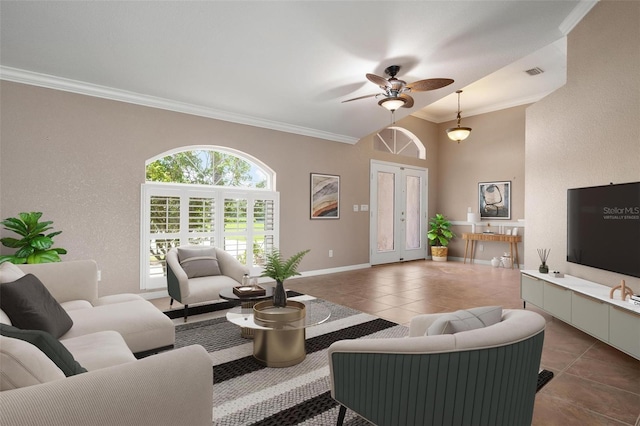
279 333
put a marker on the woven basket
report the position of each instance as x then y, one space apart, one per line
439 254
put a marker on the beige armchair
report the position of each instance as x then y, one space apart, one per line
197 274
486 375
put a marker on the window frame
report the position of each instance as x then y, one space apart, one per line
185 192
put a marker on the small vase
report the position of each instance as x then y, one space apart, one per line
543 269
279 295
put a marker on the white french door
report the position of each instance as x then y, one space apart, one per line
398 213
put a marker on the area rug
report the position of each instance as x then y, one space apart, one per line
247 393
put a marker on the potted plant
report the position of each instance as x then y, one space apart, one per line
439 236
34 246
278 269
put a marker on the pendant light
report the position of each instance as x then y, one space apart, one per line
458 133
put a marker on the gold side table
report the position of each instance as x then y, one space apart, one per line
279 333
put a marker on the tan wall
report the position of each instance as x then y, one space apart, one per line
585 134
80 160
493 152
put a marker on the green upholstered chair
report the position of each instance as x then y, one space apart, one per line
486 376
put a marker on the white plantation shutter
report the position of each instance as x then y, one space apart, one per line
243 222
264 219
202 221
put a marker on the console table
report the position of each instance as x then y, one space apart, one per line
513 241
585 305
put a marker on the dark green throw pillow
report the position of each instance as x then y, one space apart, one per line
30 306
49 345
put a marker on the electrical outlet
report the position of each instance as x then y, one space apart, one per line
99 275
330 253
355 207
481 247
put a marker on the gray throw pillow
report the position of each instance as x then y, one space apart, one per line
464 320
198 261
30 306
49 345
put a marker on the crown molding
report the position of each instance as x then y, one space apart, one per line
67 85
425 116
576 15
483 110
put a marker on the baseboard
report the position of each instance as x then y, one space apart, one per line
155 294
332 270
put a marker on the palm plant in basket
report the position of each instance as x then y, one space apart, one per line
439 236
275 267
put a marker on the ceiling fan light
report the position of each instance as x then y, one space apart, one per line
392 104
458 133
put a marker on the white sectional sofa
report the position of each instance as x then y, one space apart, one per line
74 285
173 387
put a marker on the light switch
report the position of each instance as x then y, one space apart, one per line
364 207
355 207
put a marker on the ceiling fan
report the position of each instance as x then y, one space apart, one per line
395 90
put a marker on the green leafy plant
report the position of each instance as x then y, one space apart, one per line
278 269
34 246
440 231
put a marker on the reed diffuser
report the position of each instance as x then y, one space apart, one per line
544 255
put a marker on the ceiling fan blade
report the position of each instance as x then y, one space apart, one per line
361 97
429 84
409 100
380 81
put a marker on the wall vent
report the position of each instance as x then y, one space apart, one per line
535 71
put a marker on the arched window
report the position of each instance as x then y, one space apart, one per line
206 195
398 140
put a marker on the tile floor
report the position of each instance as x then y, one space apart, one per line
594 384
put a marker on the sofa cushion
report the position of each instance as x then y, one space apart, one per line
143 326
464 320
10 272
117 298
50 346
72 305
99 350
30 306
198 261
22 364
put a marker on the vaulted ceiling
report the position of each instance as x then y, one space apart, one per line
289 65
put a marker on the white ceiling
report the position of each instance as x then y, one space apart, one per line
288 65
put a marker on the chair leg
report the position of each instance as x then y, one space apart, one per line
171 303
341 414
186 312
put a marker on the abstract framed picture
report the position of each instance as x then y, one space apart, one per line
325 196
494 200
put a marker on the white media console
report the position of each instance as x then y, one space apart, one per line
586 306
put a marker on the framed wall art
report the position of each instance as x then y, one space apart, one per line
494 200
325 196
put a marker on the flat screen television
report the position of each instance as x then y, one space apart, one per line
603 227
